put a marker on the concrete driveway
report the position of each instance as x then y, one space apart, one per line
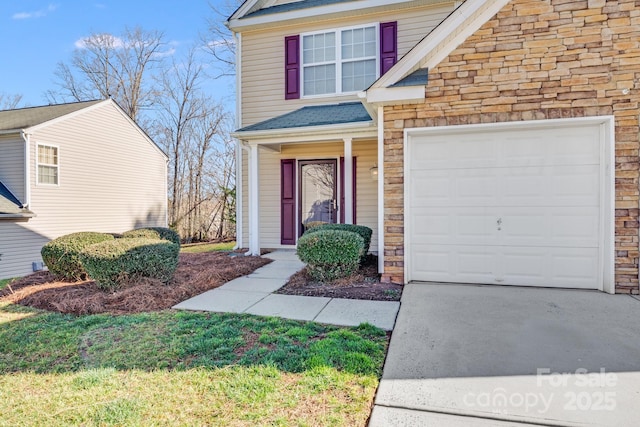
465 355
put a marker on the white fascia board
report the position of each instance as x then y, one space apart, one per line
17 216
455 29
237 24
242 10
309 134
393 95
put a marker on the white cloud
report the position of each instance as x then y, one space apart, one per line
169 52
37 14
99 40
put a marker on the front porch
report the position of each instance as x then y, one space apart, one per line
290 176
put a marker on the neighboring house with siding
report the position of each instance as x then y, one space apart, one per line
484 141
66 168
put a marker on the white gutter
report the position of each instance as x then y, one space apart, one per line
27 168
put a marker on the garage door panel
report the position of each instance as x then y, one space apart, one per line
516 266
454 226
571 186
467 265
518 206
551 227
556 267
546 227
572 145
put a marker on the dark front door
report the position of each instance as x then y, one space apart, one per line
317 184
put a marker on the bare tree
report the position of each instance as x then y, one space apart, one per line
9 101
218 39
104 65
188 125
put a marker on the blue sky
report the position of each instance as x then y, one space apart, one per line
36 35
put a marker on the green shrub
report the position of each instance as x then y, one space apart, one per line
361 230
61 255
330 254
313 224
115 262
160 233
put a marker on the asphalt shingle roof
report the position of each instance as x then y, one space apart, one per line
288 7
26 117
417 78
315 115
9 204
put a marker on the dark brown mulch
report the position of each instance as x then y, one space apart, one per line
365 284
196 273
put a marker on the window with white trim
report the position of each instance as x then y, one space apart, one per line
339 61
48 166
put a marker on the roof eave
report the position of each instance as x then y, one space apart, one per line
17 216
396 95
308 132
238 22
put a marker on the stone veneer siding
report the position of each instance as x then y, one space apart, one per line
534 60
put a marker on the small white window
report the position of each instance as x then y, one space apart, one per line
48 167
339 61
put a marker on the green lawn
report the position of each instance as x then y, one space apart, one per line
207 247
184 368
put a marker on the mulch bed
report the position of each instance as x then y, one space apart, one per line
365 284
196 273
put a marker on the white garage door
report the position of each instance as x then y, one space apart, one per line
506 205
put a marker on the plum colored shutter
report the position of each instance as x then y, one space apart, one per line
288 201
292 67
353 183
388 45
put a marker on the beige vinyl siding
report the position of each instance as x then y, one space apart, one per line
19 247
263 56
366 188
12 165
112 179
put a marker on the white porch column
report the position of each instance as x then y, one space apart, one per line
348 182
380 189
254 198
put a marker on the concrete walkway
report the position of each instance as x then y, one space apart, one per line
254 294
464 355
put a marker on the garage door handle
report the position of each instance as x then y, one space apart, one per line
499 222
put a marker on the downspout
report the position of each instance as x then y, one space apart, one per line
27 169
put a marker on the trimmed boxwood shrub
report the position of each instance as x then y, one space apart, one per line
361 230
313 224
114 262
161 233
330 254
62 255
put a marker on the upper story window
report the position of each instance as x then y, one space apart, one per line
48 167
339 61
